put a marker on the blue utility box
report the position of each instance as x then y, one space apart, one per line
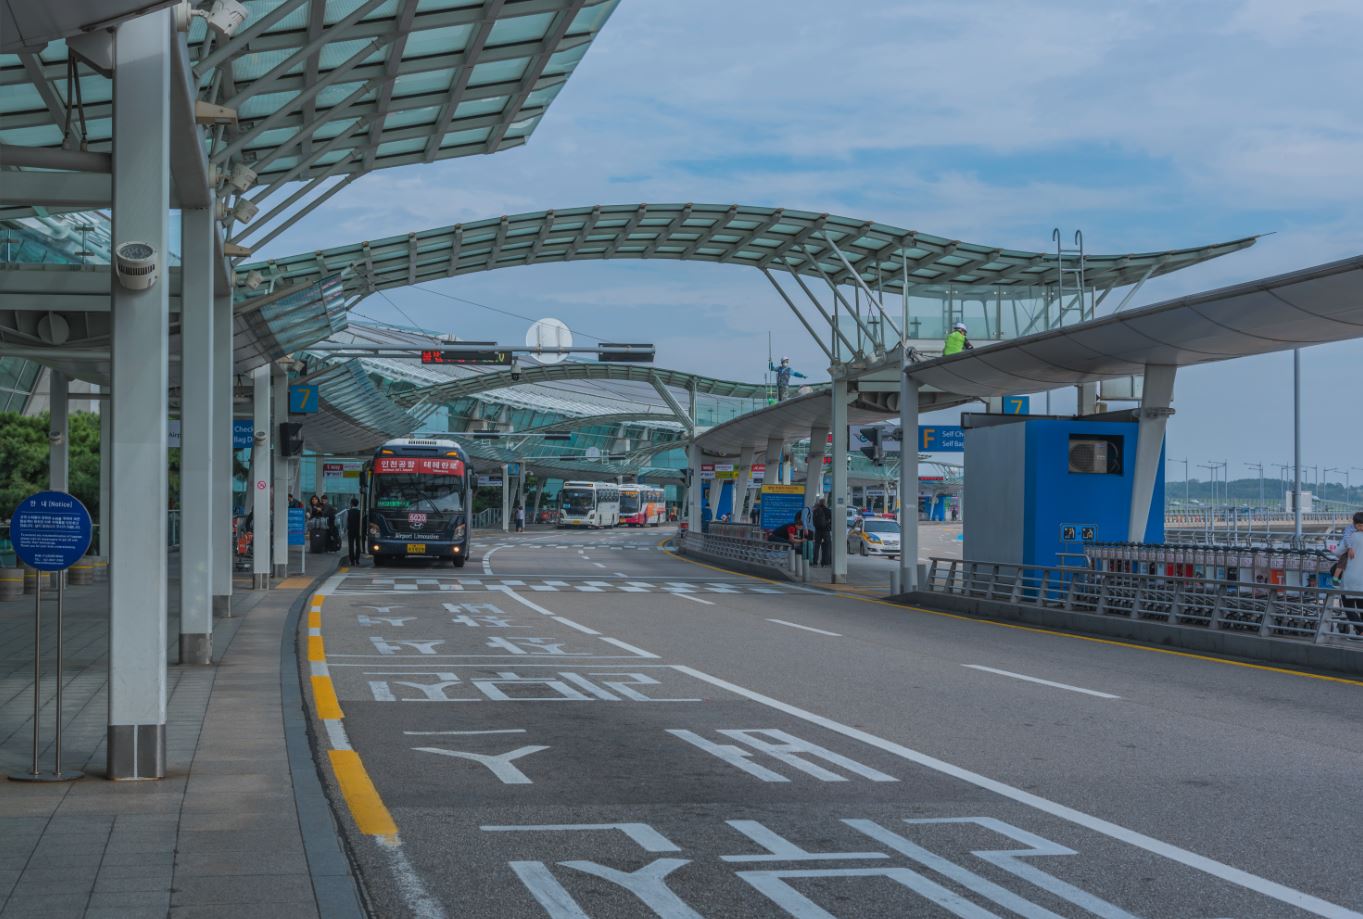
1037 490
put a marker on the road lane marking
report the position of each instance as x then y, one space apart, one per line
576 625
324 694
619 574
598 564
1032 679
807 628
691 598
1231 875
465 733
487 559
630 648
316 650
523 601
370 813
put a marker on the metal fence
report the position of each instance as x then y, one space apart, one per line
1311 614
488 519
777 556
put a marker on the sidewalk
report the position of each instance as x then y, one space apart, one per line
222 835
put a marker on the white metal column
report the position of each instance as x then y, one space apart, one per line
196 436
773 461
506 498
279 502
838 428
224 467
744 469
1155 410
818 440
140 357
908 484
106 452
58 433
693 509
260 478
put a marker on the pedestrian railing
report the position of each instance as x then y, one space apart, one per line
488 519
777 556
1311 614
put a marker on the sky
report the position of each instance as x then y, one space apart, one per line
1147 124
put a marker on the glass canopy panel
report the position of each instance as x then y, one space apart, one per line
520 29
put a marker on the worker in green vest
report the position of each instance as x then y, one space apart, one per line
957 341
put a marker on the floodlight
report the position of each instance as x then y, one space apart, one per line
242 178
245 211
135 265
226 16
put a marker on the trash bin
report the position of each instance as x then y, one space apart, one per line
317 534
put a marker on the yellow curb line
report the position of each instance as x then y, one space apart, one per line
368 809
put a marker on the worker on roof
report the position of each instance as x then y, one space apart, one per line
783 375
957 341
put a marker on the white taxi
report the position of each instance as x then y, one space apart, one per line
874 536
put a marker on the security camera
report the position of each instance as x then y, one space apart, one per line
135 265
242 177
515 369
223 17
245 211
252 280
259 435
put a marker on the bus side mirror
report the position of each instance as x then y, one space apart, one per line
364 480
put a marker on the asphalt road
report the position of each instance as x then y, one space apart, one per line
583 725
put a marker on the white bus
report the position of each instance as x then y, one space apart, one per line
589 504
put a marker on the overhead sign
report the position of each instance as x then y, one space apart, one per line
941 438
489 481
303 399
1017 405
513 468
417 465
707 470
781 505
467 356
50 530
243 432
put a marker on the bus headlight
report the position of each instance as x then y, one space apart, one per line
459 532
373 529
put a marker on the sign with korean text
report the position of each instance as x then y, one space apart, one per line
781 505
941 438
303 399
418 465
707 470
50 530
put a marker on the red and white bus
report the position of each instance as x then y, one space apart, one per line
642 505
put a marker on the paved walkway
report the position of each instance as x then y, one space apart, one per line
219 836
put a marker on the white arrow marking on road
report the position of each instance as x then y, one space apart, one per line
1032 679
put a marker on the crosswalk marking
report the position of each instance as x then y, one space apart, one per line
361 585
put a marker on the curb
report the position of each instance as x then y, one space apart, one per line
333 882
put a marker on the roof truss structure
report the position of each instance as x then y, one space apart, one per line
841 248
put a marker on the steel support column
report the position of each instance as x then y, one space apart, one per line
58 433
279 492
1156 398
506 498
741 485
224 465
773 461
140 346
260 478
818 441
196 435
838 504
908 483
106 452
693 490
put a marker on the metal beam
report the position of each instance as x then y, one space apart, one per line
533 69
461 80
672 403
798 315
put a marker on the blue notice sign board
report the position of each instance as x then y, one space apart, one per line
941 438
1017 405
303 399
297 524
243 430
781 505
50 530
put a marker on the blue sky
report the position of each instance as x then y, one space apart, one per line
1148 124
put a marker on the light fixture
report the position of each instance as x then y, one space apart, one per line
245 211
242 178
135 265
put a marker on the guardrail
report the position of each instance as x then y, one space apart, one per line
780 557
1304 614
488 518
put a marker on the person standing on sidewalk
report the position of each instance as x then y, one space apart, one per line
352 530
1351 580
823 534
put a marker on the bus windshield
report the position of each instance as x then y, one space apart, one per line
401 492
578 500
629 503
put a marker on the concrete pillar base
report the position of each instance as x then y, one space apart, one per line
260 582
281 571
137 751
196 648
222 606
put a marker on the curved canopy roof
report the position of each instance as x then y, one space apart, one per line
328 87
1307 307
735 234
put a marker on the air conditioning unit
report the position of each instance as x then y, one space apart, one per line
1092 456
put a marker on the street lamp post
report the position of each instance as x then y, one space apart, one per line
1327 475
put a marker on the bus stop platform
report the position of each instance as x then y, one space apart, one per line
228 832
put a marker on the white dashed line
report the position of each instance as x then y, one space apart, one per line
1032 679
677 593
807 628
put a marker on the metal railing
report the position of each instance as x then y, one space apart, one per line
1310 614
778 556
488 519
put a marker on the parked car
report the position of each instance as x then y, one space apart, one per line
548 515
874 536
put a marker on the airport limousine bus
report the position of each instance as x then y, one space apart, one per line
641 505
588 504
416 500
